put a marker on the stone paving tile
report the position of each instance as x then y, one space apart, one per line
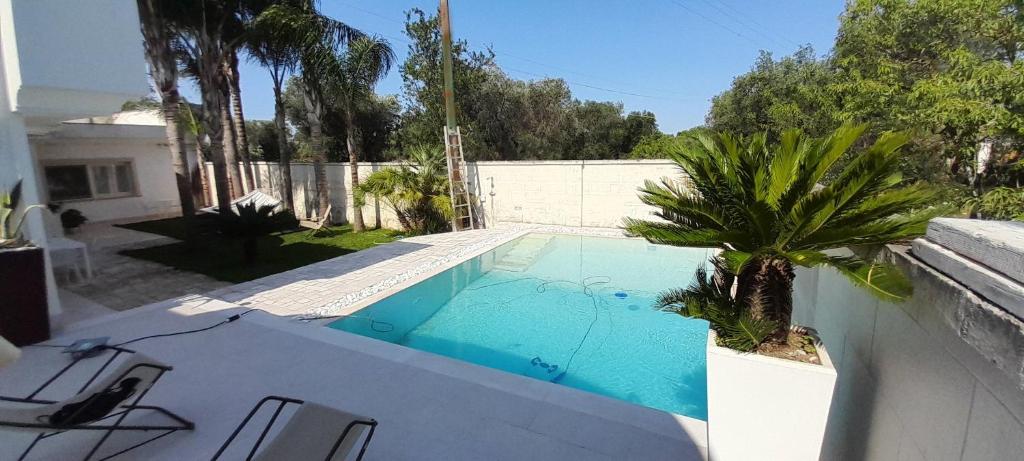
121 282
301 290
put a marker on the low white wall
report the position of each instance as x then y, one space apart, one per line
573 193
936 378
154 174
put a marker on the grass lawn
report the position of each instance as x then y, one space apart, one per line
221 258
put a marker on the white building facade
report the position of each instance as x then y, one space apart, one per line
61 60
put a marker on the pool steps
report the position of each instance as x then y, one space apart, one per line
526 251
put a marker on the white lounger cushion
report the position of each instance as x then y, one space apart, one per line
311 432
37 414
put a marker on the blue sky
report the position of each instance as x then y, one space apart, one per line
672 55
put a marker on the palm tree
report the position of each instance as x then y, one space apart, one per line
287 36
417 191
365 61
194 125
199 28
158 39
238 117
762 204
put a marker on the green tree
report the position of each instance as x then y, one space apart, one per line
764 205
423 87
949 71
792 92
354 74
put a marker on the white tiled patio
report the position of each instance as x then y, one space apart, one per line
429 407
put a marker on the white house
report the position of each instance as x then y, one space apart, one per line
61 60
113 168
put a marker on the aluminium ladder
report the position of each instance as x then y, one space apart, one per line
462 206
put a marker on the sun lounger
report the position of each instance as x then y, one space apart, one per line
317 224
101 401
259 198
314 432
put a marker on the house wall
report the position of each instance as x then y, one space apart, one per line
154 176
589 193
939 377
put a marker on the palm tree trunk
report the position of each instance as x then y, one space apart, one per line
200 183
211 86
164 70
230 150
285 159
353 165
316 141
767 285
179 158
242 139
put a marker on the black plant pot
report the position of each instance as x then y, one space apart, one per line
24 315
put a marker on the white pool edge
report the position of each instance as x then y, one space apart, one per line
683 428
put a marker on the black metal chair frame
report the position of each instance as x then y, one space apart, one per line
182 423
282 401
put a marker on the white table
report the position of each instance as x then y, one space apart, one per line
65 252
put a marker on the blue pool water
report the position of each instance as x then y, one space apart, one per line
567 309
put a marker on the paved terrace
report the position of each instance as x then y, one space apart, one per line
429 407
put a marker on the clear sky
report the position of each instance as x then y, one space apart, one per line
670 56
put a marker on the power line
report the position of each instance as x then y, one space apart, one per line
756 24
595 87
708 19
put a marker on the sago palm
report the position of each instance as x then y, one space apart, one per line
769 207
417 191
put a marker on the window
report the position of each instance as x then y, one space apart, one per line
90 180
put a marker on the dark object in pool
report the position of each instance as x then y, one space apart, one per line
621 295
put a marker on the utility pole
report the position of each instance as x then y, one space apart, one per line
446 62
462 202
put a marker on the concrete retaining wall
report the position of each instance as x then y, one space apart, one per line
939 377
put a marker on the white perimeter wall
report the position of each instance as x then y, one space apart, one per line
935 378
589 193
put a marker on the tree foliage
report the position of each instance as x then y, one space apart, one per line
504 118
949 72
792 92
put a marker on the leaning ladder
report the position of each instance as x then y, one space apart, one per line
462 207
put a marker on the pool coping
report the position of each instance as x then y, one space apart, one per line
679 427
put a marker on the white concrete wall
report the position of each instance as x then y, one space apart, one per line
936 378
573 193
154 175
67 59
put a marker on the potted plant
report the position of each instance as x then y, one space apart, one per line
71 219
771 206
24 316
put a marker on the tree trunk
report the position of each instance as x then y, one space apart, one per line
316 141
179 157
211 86
200 183
230 152
164 70
242 138
285 159
767 285
353 166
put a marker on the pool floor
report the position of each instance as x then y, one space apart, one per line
572 310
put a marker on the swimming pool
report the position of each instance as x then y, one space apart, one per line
573 310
